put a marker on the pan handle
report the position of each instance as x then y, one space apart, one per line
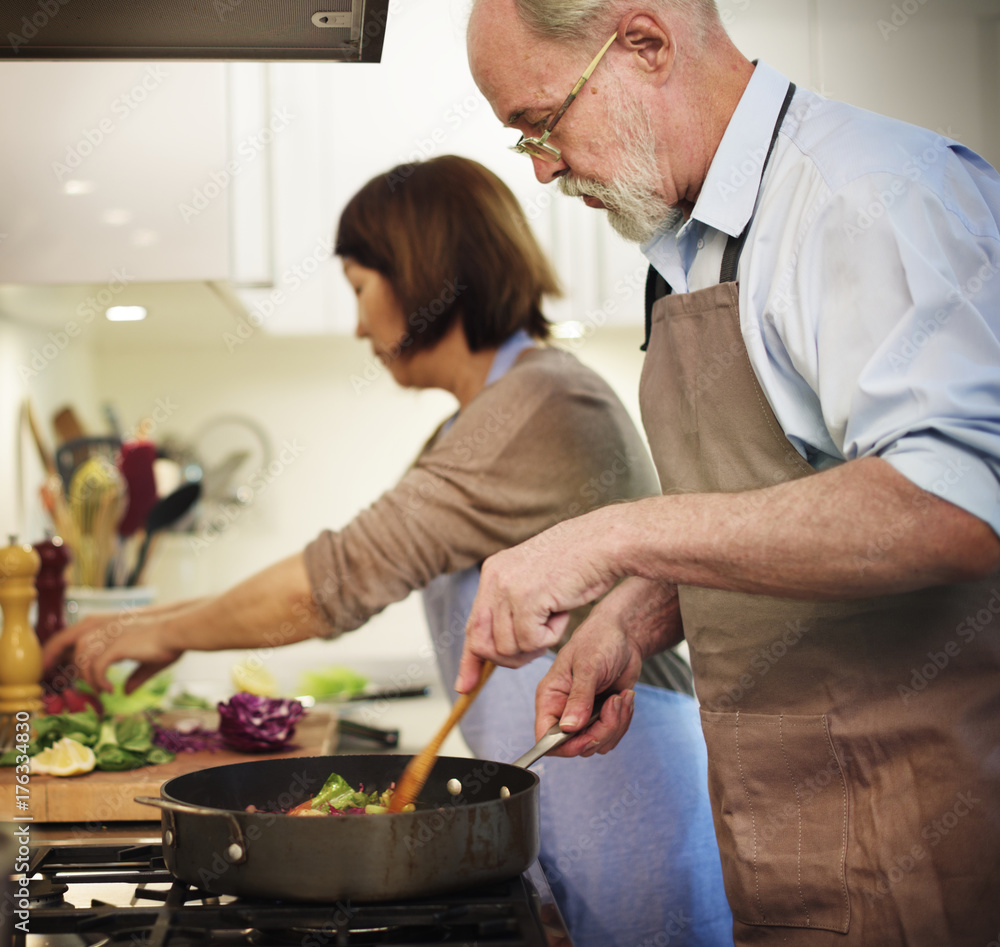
554 736
237 851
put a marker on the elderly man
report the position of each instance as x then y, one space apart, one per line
821 393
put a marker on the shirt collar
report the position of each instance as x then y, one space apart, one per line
729 193
507 354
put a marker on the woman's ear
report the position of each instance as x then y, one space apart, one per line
650 40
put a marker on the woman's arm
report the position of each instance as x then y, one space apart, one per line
272 608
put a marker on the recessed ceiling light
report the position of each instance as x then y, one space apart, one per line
117 216
125 313
78 187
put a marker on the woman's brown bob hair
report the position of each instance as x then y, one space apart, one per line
453 242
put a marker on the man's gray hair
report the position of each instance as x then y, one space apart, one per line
583 21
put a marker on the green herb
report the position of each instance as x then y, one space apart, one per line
118 744
338 794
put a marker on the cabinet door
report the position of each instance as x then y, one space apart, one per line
113 169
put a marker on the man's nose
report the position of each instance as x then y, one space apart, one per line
547 171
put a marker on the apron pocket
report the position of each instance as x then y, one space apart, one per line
779 800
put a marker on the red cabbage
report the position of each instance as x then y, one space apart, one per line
185 738
257 724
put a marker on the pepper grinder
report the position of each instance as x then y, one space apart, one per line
51 585
20 652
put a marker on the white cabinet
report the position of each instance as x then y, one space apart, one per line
107 172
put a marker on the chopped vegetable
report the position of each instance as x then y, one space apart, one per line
188 736
257 724
188 701
150 695
337 797
117 744
333 681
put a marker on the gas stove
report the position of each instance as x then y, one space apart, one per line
110 891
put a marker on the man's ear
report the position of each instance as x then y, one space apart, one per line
651 41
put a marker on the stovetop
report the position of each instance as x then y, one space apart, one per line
121 893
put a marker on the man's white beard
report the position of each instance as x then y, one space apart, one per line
635 210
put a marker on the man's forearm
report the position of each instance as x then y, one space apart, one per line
860 529
648 612
272 608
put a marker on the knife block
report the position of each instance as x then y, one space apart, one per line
20 652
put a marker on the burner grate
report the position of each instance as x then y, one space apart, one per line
506 914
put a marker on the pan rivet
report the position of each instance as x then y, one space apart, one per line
168 837
454 787
235 852
504 792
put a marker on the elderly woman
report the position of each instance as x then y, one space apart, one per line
449 282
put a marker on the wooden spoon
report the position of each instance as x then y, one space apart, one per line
419 768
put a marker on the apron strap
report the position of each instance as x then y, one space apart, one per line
734 247
656 288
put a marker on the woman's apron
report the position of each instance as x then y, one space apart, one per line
854 746
627 842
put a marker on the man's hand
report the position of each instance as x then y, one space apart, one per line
94 643
635 620
526 593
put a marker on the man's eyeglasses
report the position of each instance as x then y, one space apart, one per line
538 147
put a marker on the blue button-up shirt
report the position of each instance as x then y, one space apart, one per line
869 285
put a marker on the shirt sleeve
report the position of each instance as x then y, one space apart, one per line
900 274
515 462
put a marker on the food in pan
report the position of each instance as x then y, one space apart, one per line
338 797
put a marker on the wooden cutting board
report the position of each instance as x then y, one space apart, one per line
99 797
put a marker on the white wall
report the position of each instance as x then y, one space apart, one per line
351 439
54 371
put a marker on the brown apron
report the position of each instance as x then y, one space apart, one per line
853 746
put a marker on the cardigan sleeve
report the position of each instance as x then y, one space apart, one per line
547 442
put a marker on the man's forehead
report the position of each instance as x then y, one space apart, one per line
512 67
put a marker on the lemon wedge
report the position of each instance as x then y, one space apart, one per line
66 757
254 680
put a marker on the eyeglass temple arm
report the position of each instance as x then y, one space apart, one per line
580 82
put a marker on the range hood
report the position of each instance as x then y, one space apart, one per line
273 30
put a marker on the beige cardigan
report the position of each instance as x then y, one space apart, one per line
548 441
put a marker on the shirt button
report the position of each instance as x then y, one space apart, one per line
701 244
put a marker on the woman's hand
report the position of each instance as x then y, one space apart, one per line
88 648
